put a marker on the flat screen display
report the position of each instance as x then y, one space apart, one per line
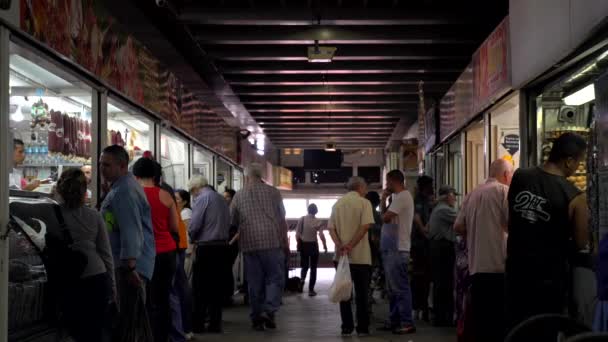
322 160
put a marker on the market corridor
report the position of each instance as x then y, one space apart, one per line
302 318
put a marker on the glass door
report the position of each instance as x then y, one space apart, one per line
173 159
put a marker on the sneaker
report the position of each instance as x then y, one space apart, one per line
312 293
347 332
269 322
404 330
258 326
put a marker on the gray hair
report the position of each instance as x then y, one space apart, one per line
197 181
354 183
254 170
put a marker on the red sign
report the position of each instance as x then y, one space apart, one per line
491 67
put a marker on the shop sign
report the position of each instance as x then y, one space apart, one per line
511 143
491 67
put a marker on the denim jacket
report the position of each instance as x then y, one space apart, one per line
126 213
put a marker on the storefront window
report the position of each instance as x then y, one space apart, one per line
237 179
223 176
203 164
475 156
504 131
173 159
50 119
455 169
130 129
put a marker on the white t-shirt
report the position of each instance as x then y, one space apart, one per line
403 206
15 179
186 214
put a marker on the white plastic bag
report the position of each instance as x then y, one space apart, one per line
342 288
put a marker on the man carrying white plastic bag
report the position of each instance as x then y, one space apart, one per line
342 288
350 219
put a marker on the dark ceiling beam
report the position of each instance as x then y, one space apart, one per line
344 52
336 90
327 100
366 108
329 16
335 116
342 67
327 119
277 35
354 134
340 79
334 138
328 123
268 130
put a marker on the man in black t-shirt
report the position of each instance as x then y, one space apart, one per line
547 220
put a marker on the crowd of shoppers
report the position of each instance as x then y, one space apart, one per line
152 247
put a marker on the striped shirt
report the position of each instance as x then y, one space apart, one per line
259 213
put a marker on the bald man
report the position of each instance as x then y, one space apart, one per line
483 220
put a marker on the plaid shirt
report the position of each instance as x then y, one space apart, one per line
259 213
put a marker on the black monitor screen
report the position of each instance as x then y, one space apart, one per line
322 160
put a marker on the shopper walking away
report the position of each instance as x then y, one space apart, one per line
421 248
443 237
351 218
259 213
126 213
165 223
395 246
209 231
547 223
307 230
85 303
483 221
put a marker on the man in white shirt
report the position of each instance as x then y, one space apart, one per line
16 177
395 246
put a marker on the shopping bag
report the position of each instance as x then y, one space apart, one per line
133 325
342 288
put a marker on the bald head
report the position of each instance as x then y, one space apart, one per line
502 170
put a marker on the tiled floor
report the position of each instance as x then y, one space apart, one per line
314 320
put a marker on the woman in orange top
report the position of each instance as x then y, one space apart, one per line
165 223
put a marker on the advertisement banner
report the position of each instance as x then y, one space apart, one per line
491 67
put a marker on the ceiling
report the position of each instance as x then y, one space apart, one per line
256 55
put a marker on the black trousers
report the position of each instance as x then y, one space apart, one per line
87 314
211 269
534 287
160 287
487 306
421 274
361 275
443 258
310 259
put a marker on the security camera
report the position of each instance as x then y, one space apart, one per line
161 3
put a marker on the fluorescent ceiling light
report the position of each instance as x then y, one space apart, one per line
580 97
321 54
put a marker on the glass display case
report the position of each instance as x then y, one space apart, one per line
223 176
203 164
50 120
129 128
173 153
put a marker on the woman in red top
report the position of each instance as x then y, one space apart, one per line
165 223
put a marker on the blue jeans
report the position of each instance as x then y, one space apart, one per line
400 293
181 302
265 271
